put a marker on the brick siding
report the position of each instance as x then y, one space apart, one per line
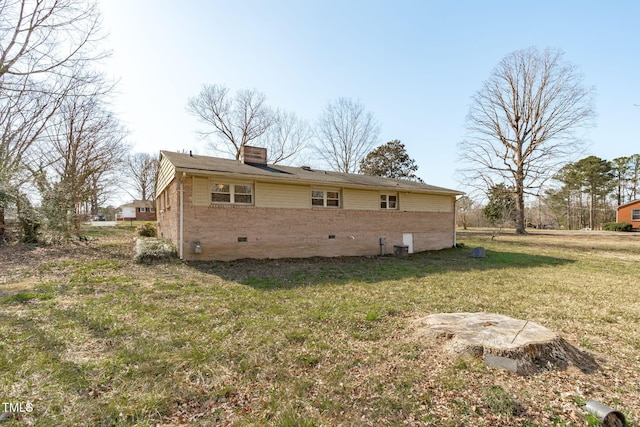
291 233
296 232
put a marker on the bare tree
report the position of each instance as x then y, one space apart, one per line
464 208
286 138
142 169
345 134
44 45
23 117
522 123
83 146
234 121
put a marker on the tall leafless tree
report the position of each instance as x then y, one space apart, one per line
345 134
521 124
44 47
84 146
232 121
142 169
23 117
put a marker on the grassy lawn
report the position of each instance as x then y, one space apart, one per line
87 337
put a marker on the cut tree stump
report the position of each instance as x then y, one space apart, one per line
519 346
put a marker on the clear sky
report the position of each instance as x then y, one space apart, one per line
413 64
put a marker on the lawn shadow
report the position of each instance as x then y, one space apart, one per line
295 272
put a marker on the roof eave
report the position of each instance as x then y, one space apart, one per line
629 203
290 179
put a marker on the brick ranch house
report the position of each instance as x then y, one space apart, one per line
138 210
221 209
630 212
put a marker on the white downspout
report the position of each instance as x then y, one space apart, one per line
455 222
181 232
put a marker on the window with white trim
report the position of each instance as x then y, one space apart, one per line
239 194
325 198
388 201
635 215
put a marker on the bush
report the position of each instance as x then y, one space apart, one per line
147 229
148 250
30 225
617 226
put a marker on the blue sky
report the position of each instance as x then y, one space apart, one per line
414 64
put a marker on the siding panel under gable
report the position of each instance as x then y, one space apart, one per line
360 199
425 202
166 173
201 192
269 195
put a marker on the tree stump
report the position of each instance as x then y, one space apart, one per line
520 346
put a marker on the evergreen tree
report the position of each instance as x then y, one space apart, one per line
501 208
391 161
633 190
597 181
620 168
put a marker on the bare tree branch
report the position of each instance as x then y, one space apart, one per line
233 121
345 133
522 123
286 138
142 169
44 47
83 147
47 36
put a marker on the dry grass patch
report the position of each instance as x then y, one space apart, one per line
90 337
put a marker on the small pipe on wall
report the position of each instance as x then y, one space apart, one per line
181 245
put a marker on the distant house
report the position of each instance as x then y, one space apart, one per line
630 212
222 209
138 210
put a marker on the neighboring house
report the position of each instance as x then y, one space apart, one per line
138 210
222 209
630 212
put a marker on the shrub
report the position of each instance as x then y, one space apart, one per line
617 226
147 229
152 249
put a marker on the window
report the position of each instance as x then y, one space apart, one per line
635 215
242 194
142 209
326 199
388 201
232 193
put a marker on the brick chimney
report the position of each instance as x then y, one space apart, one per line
253 155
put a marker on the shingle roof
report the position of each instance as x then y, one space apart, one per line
215 165
632 202
139 204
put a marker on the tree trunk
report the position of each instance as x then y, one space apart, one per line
592 210
2 232
569 222
520 224
522 347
